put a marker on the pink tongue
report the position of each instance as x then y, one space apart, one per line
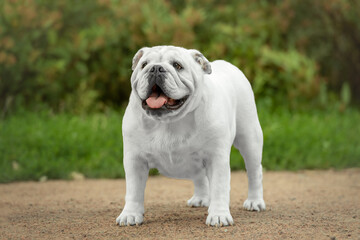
155 101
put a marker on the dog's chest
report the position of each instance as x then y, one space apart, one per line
175 149
175 152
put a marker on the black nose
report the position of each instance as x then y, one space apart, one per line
157 69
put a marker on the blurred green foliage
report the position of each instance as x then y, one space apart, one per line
75 56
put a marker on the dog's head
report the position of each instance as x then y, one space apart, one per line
166 80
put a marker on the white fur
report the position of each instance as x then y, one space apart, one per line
195 141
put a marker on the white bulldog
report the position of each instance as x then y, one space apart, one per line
184 114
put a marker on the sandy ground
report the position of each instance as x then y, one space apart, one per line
301 205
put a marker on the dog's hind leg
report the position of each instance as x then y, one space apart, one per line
201 192
249 142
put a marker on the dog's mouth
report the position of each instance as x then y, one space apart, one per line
158 100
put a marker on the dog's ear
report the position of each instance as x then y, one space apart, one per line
137 57
200 59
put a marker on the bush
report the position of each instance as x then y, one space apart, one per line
76 57
329 33
286 78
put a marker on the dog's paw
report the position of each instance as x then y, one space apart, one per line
197 201
129 219
219 220
254 205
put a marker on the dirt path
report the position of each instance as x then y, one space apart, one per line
302 205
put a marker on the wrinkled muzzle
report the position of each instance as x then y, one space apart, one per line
157 97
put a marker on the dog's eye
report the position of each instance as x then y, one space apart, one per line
144 65
177 66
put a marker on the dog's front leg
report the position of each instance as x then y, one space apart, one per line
218 172
136 174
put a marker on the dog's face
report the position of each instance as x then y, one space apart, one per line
166 80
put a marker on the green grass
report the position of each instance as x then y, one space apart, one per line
33 145
308 140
